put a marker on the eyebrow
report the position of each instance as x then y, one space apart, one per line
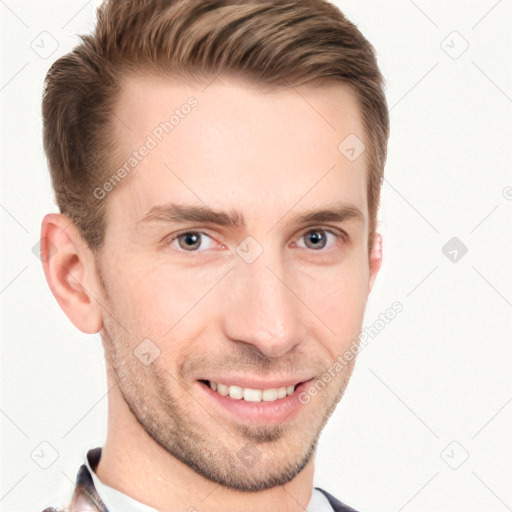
175 212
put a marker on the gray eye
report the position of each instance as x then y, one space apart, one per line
316 239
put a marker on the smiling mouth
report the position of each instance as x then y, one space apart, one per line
249 394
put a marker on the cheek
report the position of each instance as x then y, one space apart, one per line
136 298
342 307
338 298
155 298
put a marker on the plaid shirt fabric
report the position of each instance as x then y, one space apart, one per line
86 499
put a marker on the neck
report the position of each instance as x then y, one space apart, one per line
134 464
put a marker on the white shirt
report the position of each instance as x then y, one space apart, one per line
116 501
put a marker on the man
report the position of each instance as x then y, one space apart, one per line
217 166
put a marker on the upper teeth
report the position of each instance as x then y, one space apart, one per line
252 395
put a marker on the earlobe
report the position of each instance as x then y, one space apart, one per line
375 260
68 266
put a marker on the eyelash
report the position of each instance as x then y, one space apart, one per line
339 235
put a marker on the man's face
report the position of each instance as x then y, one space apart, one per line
272 298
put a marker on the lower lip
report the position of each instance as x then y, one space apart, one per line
282 409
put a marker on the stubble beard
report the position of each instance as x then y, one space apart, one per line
150 393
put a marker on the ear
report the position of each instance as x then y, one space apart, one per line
375 260
69 268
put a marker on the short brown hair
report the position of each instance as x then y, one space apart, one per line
274 44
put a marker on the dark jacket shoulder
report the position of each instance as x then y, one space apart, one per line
336 504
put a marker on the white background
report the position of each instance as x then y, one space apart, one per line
432 388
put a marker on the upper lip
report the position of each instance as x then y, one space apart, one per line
246 381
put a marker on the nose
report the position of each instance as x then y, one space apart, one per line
263 310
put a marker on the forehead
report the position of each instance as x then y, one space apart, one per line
231 144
